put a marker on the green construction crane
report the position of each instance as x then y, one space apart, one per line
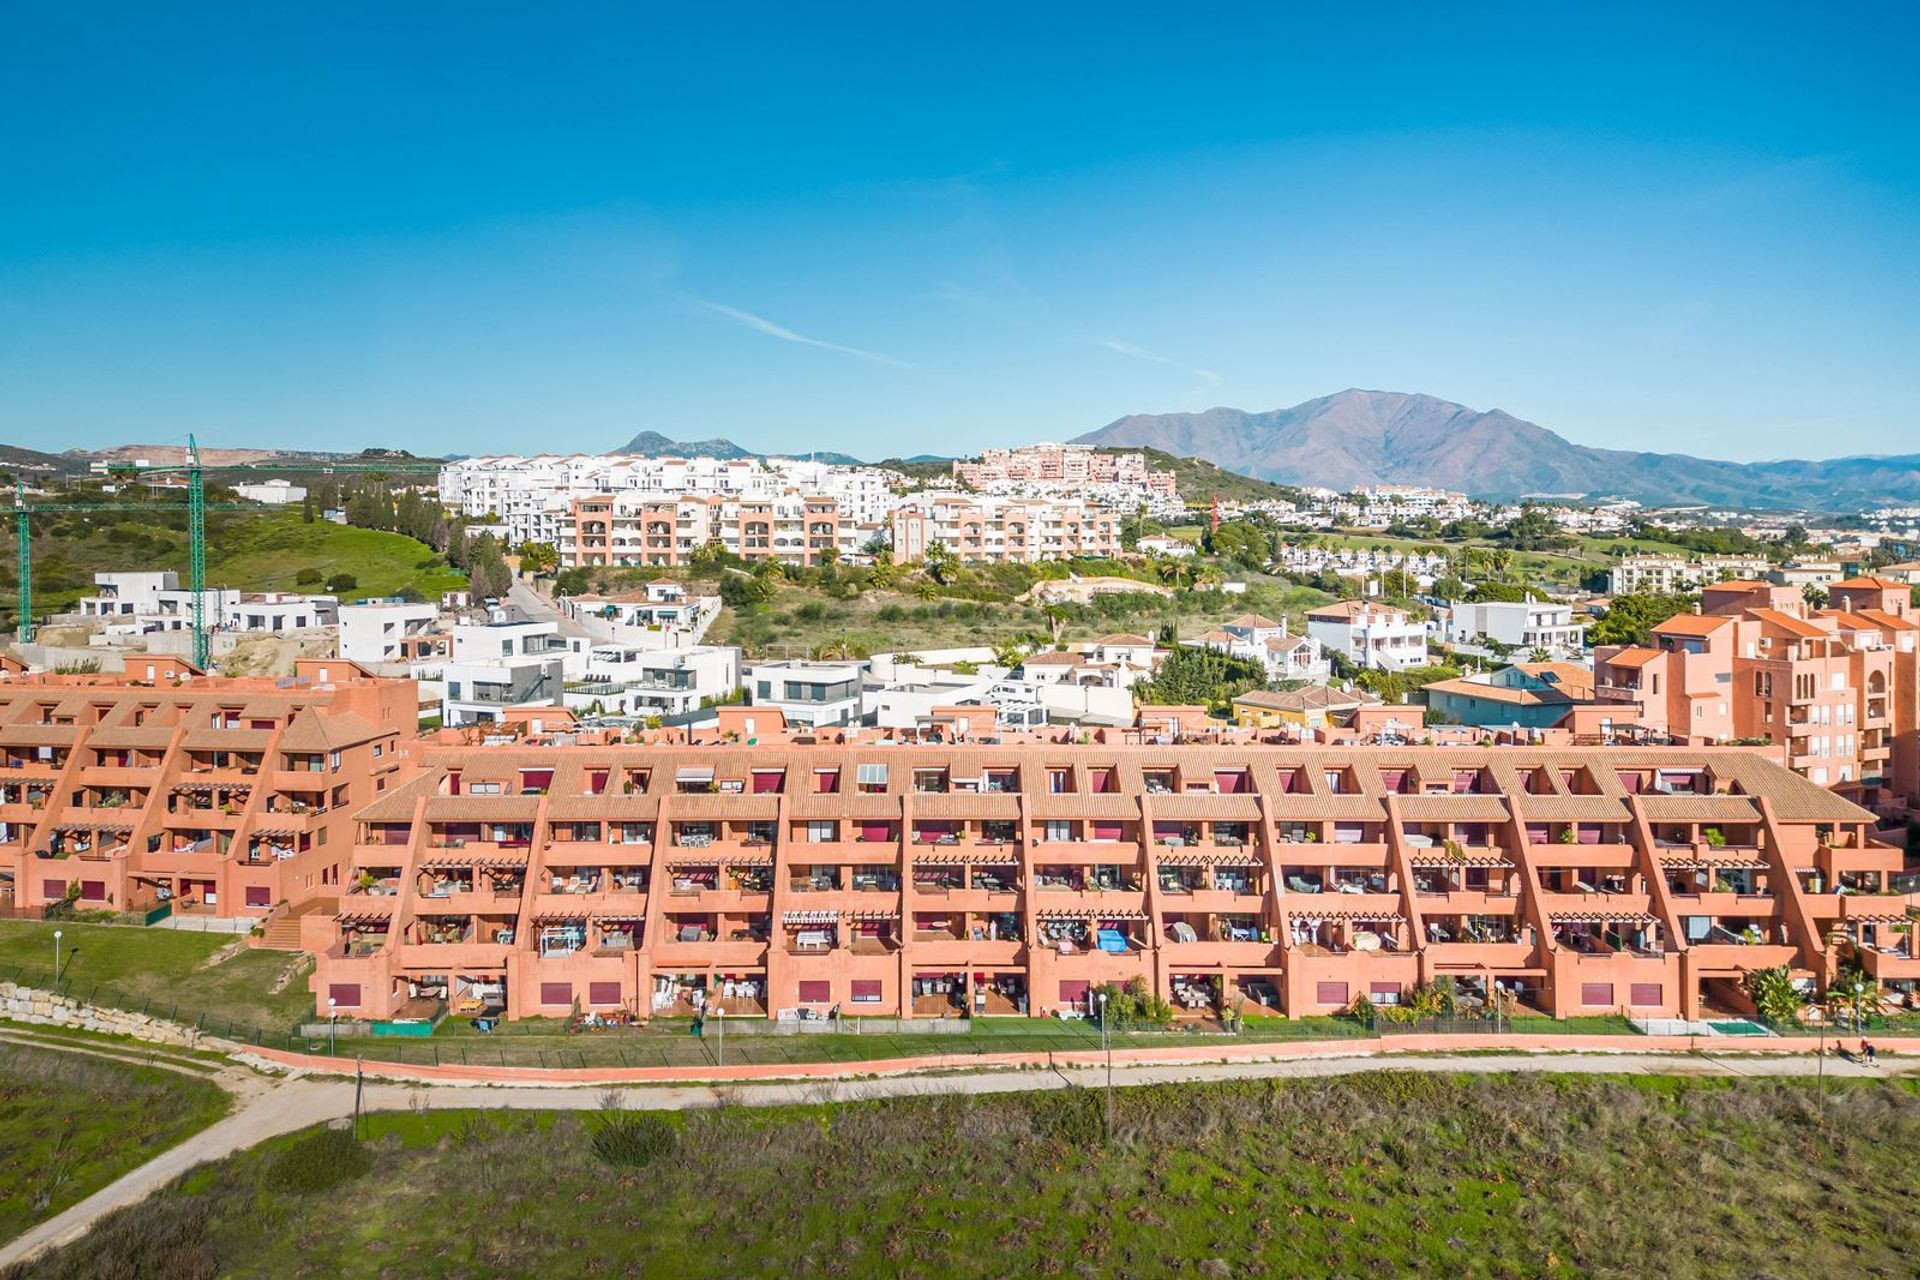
197 508
25 537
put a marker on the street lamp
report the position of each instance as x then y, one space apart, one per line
333 1024
1106 1043
56 956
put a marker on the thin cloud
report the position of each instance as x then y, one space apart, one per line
760 324
1207 376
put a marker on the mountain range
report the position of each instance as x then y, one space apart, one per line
1356 438
651 444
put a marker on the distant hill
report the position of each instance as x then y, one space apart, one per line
1200 480
1359 438
651 444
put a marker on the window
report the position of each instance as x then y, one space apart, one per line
1596 993
816 991
866 991
822 831
603 993
1059 781
1059 830
344 994
259 895
1330 993
1645 994
871 777
1074 992
556 993
768 781
826 782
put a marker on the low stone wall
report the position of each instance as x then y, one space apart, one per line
46 1009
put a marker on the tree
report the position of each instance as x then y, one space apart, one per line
309 577
539 557
1630 619
1773 993
342 582
1189 676
306 508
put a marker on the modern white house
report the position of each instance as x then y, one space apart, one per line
483 690
624 681
806 692
1369 634
383 631
135 603
1529 624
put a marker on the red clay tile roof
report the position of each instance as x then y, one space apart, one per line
1692 624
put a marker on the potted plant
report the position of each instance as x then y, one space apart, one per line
1715 838
1566 836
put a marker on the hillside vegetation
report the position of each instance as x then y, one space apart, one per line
262 549
1376 1174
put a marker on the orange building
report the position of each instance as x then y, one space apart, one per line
216 795
1837 689
796 879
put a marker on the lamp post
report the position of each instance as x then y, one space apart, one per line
333 1024
1106 1043
56 957
720 1034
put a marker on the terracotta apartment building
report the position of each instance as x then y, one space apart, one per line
792 880
216 795
1836 689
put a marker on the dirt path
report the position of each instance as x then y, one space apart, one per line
267 1106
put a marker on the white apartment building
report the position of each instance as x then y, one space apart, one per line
979 529
382 631
1515 624
1369 634
532 498
483 690
272 493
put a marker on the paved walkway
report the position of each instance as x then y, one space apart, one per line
267 1106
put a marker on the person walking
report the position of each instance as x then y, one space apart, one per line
1867 1052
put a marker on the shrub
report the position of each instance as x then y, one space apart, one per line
633 1139
308 577
321 1160
342 582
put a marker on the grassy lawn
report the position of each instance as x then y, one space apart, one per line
262 550
1371 1175
170 973
266 553
69 1125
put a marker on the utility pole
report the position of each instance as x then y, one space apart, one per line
23 535
197 550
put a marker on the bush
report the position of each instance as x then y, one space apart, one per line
633 1139
342 582
320 1161
308 577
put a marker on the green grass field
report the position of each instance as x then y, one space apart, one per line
69 1125
262 550
266 553
1371 1175
167 972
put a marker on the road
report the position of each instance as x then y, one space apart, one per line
267 1106
537 608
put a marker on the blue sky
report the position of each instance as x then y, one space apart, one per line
897 229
